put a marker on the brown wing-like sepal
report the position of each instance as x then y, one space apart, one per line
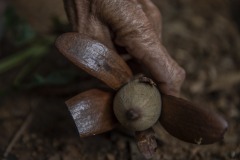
92 112
191 123
94 58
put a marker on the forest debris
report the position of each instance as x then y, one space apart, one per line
134 152
225 81
17 135
110 157
55 157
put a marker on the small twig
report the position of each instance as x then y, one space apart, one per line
146 143
17 135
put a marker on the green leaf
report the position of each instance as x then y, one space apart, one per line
13 61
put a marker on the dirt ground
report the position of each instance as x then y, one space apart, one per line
202 36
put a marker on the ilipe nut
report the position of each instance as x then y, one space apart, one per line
137 105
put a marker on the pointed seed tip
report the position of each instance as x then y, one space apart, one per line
132 114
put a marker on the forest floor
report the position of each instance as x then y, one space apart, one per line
202 36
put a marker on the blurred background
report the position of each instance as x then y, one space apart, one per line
35 80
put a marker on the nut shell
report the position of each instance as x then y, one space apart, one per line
137 105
